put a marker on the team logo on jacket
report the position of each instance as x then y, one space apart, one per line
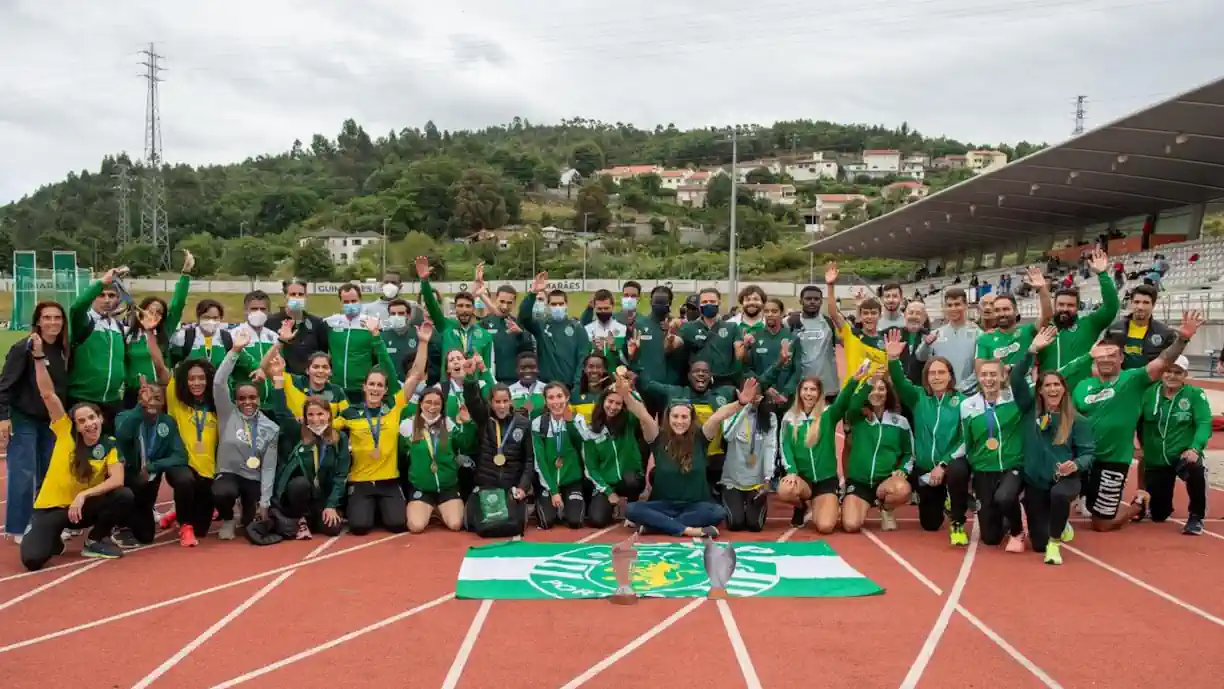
517 435
162 430
662 569
1183 405
98 451
417 495
1156 340
722 332
412 344
569 330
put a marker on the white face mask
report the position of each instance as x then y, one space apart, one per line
257 318
430 420
397 322
208 326
390 290
318 430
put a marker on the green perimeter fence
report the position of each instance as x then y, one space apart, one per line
62 282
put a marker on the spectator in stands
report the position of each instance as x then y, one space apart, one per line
1119 275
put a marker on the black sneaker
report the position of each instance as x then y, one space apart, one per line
124 539
103 549
1194 526
798 516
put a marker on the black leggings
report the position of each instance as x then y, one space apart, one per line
956 480
381 499
1160 482
140 521
299 501
230 487
202 504
102 512
998 493
1048 509
600 512
573 508
746 509
930 501
514 526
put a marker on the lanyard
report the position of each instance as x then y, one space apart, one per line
199 417
316 461
465 338
558 436
147 445
251 429
504 436
375 428
992 421
431 442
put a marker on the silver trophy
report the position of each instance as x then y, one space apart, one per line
624 557
719 566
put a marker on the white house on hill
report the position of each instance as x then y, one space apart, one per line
343 246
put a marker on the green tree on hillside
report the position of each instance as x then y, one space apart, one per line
312 261
479 204
592 199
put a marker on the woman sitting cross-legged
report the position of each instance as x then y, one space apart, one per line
84 482
680 501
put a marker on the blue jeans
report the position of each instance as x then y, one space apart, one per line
673 517
29 455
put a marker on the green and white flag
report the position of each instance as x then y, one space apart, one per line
525 570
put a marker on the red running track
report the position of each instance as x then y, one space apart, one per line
378 609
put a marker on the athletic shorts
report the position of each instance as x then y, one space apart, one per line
433 497
829 486
863 491
1106 482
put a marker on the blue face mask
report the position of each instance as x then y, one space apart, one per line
539 310
352 310
478 304
296 305
629 303
709 310
559 313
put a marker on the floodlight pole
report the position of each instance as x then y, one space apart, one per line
733 274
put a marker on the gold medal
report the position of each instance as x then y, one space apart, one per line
433 466
499 459
199 448
992 444
559 462
252 462
751 460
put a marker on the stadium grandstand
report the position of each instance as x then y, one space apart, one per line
1141 185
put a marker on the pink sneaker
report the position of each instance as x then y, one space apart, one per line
303 531
1015 544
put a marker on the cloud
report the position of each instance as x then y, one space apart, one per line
244 78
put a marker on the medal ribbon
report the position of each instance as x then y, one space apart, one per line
200 418
431 443
465 339
375 428
316 463
992 422
558 438
146 445
251 428
503 436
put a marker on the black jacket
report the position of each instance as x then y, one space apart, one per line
1159 336
311 337
519 469
19 387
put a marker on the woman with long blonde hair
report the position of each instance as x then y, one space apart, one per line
1057 447
809 454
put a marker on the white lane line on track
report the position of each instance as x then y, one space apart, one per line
85 561
945 615
196 594
999 641
180 655
50 585
594 671
1147 587
737 646
456 666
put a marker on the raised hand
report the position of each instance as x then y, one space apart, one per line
478 283
863 368
930 338
149 318
894 346
425 332
286 332
749 340
784 351
422 267
634 344
831 273
36 344
540 282
1191 322
750 392
1098 261
512 326
479 362
241 338
1043 338
188 262
463 416
469 367
373 325
1036 278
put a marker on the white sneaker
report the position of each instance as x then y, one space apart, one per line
887 521
1082 507
227 530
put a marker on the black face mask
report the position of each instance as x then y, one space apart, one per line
1064 320
659 309
603 317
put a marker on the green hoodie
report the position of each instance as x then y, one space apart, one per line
470 339
325 466
1077 340
607 457
434 468
352 349
1042 456
816 463
99 360
936 419
1172 425
139 362
881 446
562 344
1014 402
766 347
547 455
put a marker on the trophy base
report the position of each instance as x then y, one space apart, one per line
624 596
717 594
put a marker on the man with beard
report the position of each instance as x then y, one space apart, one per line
1112 401
711 340
509 339
751 315
461 332
818 343
1076 336
893 316
1008 343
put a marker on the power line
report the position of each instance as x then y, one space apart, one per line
153 190
123 192
1080 102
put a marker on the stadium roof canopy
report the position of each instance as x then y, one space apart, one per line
1167 156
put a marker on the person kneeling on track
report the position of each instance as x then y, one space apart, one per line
84 482
752 442
1176 427
504 459
150 445
558 462
809 454
246 448
310 481
612 456
882 455
1057 448
935 410
680 499
429 446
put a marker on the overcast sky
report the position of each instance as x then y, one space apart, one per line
249 77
